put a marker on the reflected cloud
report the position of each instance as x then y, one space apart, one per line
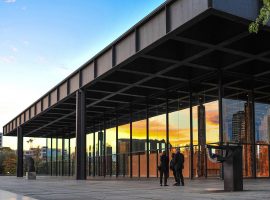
212 118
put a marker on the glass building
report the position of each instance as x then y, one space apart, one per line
187 75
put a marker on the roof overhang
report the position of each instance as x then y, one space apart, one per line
167 55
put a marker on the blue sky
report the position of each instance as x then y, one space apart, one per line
43 41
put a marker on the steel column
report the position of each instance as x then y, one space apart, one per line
63 158
80 136
47 167
104 149
191 173
130 142
147 139
220 113
56 157
51 156
253 134
167 127
69 156
94 150
220 104
117 147
19 152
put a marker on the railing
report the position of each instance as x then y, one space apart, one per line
108 165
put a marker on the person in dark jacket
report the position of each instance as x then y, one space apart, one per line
172 161
164 168
178 167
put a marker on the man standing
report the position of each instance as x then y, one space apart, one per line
178 167
164 168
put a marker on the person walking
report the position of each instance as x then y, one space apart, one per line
164 168
178 167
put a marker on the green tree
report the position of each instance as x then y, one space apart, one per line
262 18
7 161
9 165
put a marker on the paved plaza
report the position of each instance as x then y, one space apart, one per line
67 188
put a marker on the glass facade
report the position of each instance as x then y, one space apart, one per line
102 158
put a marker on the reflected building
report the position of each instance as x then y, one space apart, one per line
238 127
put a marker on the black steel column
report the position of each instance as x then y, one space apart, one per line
94 150
117 147
69 149
147 139
51 156
130 142
56 157
220 113
191 173
104 149
80 136
47 167
63 157
220 110
202 162
167 127
254 167
19 152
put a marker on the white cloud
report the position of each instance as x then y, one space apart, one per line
26 43
41 60
7 59
9 1
24 8
14 49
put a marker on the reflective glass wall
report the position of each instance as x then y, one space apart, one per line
102 153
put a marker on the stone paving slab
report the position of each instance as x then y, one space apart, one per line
5 195
64 188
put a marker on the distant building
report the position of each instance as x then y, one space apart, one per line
32 152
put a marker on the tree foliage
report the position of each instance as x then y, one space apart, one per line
262 18
7 161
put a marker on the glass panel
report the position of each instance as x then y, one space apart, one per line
262 158
54 156
247 160
96 155
66 157
59 158
262 125
157 138
234 121
179 128
111 151
49 155
143 164
212 122
123 145
139 147
72 155
89 150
